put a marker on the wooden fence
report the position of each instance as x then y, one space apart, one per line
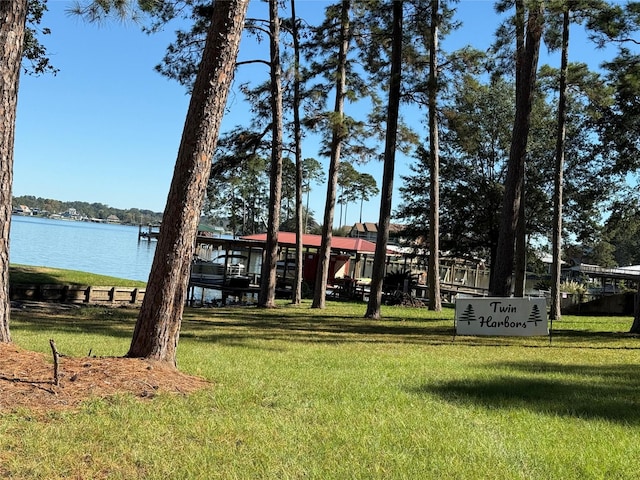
77 294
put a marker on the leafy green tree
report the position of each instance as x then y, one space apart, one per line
620 122
588 181
36 59
475 144
605 21
595 250
622 231
602 20
622 234
476 135
613 119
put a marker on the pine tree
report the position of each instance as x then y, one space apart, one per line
296 294
338 134
267 294
393 108
556 243
158 326
528 38
13 17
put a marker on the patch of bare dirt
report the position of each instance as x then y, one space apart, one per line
27 379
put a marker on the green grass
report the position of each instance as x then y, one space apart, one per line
29 275
327 394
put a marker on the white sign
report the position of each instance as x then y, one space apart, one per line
501 316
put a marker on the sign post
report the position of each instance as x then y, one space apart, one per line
501 316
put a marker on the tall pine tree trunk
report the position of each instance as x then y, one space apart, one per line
520 232
324 253
13 16
520 261
296 294
555 313
526 70
393 108
267 297
435 302
158 326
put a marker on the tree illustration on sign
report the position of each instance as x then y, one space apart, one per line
468 315
535 316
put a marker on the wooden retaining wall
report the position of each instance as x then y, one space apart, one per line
77 294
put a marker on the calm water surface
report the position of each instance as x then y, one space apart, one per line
90 247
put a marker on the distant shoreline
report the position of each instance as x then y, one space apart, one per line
56 216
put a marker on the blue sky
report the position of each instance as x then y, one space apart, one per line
107 127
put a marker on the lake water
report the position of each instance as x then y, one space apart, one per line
100 248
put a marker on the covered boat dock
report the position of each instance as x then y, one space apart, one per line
232 266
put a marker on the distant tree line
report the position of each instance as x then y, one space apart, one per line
49 206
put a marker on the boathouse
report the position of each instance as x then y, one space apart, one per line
233 265
350 257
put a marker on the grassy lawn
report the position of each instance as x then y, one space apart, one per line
29 275
326 394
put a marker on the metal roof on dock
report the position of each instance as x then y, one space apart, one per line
345 244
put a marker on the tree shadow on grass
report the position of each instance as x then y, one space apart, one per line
310 326
339 330
238 324
22 274
242 325
582 391
601 334
110 322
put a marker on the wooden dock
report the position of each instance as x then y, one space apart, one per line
148 232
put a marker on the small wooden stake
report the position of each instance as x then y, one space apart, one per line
56 357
